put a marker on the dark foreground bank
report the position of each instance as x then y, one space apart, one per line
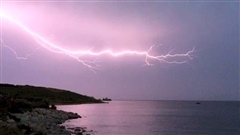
30 110
39 121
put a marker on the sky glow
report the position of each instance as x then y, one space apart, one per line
193 47
76 54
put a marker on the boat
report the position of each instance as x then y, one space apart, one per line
198 103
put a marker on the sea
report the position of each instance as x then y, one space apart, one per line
157 117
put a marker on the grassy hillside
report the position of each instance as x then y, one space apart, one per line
51 95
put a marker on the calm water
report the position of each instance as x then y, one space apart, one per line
158 118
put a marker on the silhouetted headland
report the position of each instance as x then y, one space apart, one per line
51 95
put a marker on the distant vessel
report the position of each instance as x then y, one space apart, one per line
106 99
198 103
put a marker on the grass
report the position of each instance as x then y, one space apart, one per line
51 95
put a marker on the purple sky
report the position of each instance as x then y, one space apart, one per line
211 27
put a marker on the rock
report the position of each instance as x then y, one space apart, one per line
13 117
62 127
77 130
70 128
44 121
10 121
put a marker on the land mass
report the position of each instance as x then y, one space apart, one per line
51 95
31 110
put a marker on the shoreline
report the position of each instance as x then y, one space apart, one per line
31 110
40 121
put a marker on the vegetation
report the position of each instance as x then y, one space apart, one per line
19 99
47 95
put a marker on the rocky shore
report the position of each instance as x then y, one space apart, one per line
30 110
39 121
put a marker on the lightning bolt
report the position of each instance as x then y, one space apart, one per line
93 64
15 53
